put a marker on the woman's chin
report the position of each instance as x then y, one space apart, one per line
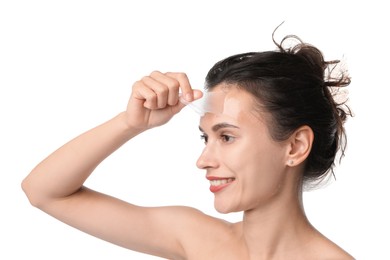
224 209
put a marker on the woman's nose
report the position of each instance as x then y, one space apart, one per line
207 158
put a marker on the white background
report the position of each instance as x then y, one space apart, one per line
66 66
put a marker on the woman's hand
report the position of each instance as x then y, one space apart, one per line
155 99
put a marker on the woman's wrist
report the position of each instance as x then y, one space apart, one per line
130 130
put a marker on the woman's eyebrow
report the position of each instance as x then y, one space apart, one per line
219 126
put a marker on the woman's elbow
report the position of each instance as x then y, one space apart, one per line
31 192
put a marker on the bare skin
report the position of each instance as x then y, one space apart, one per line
265 184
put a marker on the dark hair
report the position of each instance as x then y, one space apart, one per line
296 86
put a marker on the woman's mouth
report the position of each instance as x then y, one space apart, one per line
217 184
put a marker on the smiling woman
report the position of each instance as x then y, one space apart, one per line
274 128
240 148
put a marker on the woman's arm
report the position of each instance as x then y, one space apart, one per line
63 172
56 184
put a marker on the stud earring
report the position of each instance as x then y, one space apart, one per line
290 162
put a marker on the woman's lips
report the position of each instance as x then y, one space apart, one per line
219 183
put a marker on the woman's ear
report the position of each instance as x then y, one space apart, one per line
299 145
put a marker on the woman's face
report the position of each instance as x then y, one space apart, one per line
244 164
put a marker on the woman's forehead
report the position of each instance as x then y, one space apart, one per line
230 105
224 101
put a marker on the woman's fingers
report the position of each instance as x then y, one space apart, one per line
197 94
171 84
160 90
155 99
184 84
145 95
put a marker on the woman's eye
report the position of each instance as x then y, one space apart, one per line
204 138
227 138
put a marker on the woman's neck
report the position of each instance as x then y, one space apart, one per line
278 226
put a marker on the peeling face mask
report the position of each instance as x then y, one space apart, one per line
215 102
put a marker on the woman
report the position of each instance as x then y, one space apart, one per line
272 127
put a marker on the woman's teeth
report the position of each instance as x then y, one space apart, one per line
221 181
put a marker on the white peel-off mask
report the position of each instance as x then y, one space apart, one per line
210 102
215 102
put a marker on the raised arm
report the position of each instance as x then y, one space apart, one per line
56 184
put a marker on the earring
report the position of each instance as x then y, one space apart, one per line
290 162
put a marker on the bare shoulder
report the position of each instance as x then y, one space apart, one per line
324 248
197 222
202 234
336 252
